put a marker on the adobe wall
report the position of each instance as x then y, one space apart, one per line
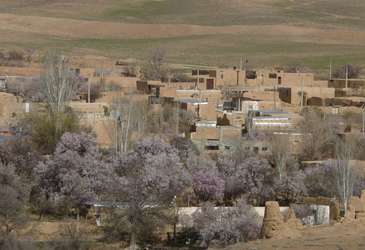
206 95
346 102
341 83
87 73
270 105
295 140
249 105
228 77
142 86
226 147
103 129
294 79
168 92
205 133
291 95
5 108
349 92
19 71
230 133
206 111
180 85
233 118
262 95
127 83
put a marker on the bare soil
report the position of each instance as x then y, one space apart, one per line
10 25
347 235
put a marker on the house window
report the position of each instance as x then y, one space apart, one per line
223 76
211 147
264 148
250 107
272 75
335 110
228 147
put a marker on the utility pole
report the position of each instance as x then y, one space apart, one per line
169 77
363 116
301 103
260 81
274 99
200 103
197 78
330 68
88 89
347 76
324 108
102 71
240 71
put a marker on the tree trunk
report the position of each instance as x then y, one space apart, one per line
133 245
77 214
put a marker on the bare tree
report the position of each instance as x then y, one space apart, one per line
317 135
128 116
11 210
293 66
352 71
342 172
280 148
156 70
57 83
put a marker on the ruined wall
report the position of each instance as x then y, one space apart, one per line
341 83
276 226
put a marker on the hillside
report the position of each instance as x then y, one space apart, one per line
211 32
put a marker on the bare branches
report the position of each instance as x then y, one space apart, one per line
57 82
280 148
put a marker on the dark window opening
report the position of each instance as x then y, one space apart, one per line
228 147
272 75
264 149
250 74
211 147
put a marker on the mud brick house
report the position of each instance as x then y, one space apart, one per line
203 109
311 95
291 79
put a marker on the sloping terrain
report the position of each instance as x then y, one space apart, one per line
211 32
348 235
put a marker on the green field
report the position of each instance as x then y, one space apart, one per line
216 49
348 13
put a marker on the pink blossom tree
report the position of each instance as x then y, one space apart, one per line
225 226
207 186
150 176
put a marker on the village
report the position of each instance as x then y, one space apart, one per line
221 124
